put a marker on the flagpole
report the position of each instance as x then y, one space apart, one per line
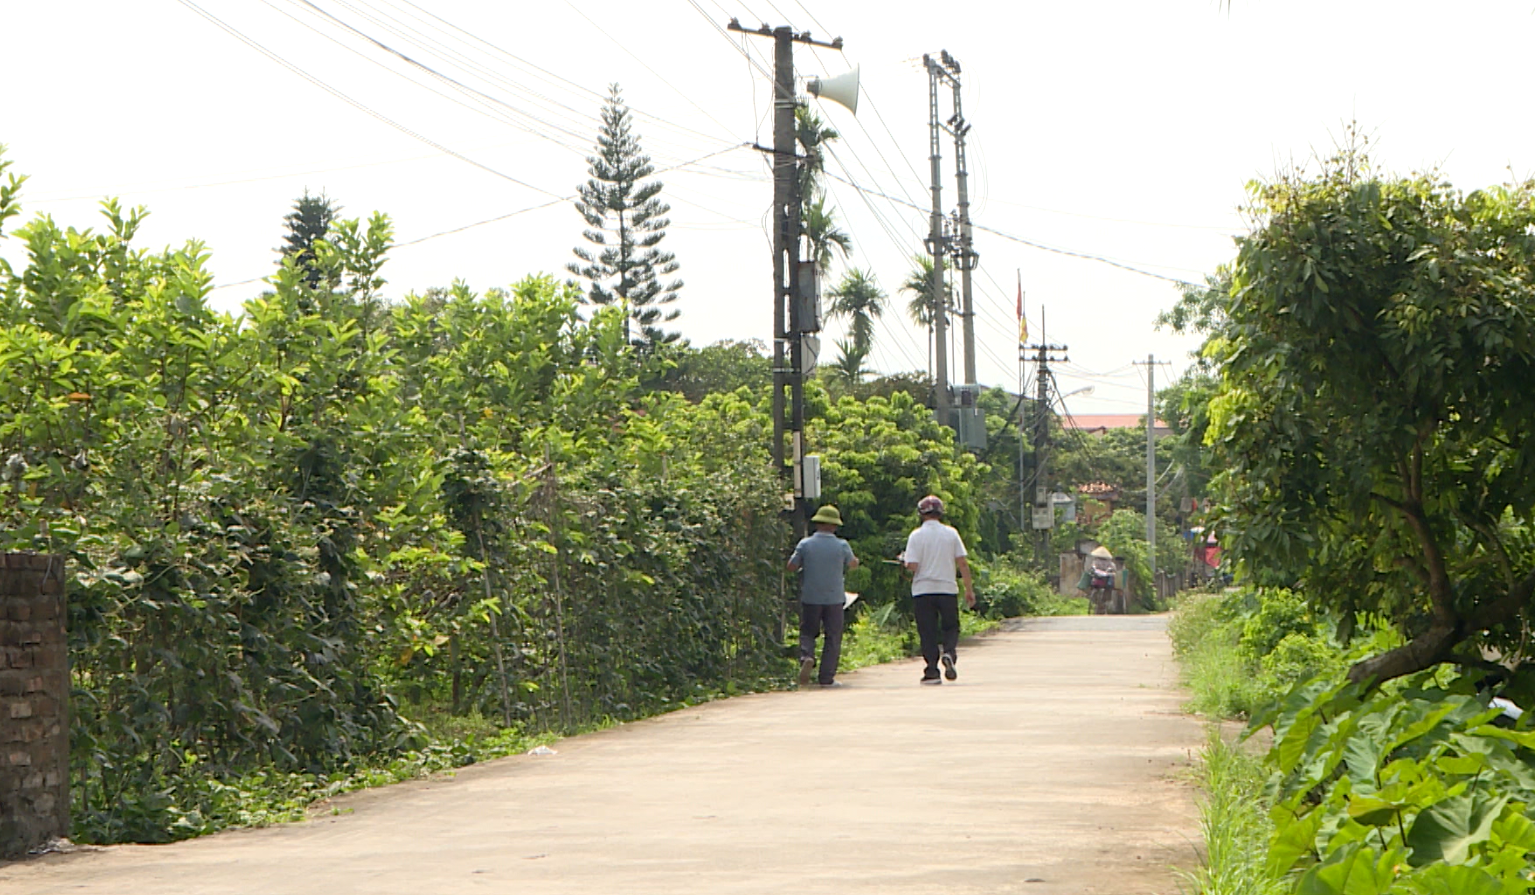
1023 337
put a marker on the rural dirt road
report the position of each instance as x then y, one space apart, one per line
1056 764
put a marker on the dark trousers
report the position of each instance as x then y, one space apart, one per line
937 625
813 617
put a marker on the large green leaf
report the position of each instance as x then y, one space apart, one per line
1461 879
1354 869
1448 829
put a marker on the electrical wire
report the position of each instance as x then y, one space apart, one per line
263 50
543 73
539 132
647 67
498 218
1047 248
725 34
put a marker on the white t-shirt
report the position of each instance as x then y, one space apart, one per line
934 547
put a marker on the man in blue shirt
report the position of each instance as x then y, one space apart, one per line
822 558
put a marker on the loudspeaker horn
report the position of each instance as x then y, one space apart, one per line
842 89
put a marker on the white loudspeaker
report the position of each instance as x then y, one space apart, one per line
841 89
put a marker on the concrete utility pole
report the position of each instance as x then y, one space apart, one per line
790 323
1043 517
937 247
1151 467
965 257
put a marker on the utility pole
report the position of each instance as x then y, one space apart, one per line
790 311
1151 467
937 247
965 257
1043 516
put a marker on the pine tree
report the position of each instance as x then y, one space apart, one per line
627 221
311 219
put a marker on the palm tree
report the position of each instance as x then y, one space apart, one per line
823 234
849 364
919 282
859 300
811 133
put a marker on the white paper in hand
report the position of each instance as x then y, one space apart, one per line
849 598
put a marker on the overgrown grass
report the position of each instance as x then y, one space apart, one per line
1206 639
1233 821
1226 680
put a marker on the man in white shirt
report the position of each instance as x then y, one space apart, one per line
933 552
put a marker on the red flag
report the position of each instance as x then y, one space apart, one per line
1023 322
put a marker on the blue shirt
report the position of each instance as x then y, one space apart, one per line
822 558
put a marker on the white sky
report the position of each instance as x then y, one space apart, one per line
1120 129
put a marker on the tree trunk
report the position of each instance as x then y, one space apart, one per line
1424 651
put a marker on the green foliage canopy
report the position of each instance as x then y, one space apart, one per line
292 530
1375 416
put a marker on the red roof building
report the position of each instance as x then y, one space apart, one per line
1099 423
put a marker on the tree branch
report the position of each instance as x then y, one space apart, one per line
1424 651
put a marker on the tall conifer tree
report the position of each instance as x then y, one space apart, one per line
310 220
626 221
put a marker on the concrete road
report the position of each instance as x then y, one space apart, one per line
1057 763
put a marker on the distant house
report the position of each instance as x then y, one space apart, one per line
1098 503
1099 423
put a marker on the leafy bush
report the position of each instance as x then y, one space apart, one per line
1280 613
1299 657
1415 787
1006 591
1241 648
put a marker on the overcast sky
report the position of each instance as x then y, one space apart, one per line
1110 147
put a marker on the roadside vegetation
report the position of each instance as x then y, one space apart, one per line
1376 508
340 538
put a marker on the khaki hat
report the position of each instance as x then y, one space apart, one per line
827 515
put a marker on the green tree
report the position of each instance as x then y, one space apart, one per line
720 368
308 222
879 457
627 222
813 136
849 365
826 239
859 300
919 284
1375 417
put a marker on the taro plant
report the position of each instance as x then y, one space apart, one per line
1419 788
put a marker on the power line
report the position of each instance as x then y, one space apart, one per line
647 67
253 44
501 217
1041 246
725 34
549 76
454 82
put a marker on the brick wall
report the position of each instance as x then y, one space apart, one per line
34 703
